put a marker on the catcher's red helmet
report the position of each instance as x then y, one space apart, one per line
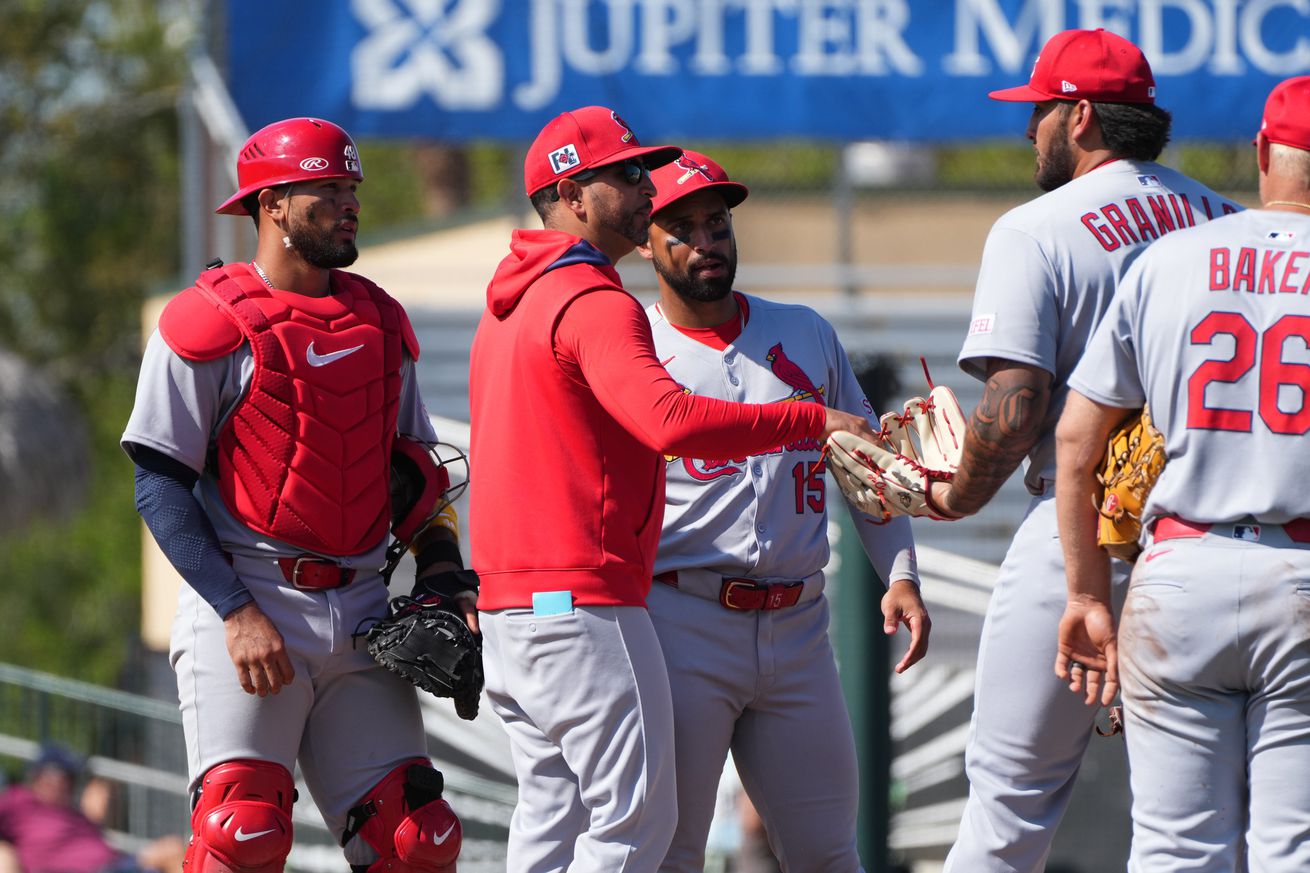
293 150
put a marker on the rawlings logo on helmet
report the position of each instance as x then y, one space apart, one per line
288 151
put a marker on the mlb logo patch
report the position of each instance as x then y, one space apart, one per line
1280 236
563 158
982 324
1248 532
1149 181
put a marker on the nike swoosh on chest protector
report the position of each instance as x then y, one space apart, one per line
242 837
316 360
441 839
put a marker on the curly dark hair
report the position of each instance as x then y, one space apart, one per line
1138 131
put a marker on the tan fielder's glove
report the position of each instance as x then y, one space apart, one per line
917 446
1133 461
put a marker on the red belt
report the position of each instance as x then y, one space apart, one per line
315 574
1297 530
747 594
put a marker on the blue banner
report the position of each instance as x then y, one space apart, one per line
460 70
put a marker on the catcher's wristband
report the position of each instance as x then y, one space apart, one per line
438 552
447 585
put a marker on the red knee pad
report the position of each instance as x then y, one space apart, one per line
407 823
242 819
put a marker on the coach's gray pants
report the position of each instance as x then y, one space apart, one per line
585 700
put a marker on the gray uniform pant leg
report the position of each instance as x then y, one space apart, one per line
1028 732
585 700
1215 664
763 684
345 719
709 662
796 750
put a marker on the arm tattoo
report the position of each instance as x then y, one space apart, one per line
1003 428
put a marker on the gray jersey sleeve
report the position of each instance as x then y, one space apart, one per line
1015 311
179 403
413 420
890 546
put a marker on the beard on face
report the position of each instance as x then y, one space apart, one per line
689 286
1056 166
632 226
318 247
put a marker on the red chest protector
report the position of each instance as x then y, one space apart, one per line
305 456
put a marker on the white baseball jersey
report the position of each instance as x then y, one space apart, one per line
764 516
1212 329
1050 267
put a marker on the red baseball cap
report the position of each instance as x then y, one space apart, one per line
1287 113
692 172
1091 65
592 136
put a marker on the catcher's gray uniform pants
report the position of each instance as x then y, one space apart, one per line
1028 731
346 719
1214 655
765 684
585 700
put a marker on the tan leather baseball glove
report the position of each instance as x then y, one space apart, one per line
917 446
1133 461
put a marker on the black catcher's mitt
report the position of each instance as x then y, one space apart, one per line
428 644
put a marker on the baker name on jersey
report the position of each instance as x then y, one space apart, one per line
1259 271
1132 222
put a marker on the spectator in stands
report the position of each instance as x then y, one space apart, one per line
42 829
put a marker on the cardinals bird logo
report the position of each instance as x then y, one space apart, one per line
793 376
628 135
692 168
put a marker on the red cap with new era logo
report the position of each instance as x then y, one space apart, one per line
1093 65
1287 113
592 136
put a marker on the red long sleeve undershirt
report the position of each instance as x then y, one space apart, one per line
604 340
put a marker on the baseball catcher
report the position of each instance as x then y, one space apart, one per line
917 446
424 638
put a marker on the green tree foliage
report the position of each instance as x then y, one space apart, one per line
88 224
90 205
73 586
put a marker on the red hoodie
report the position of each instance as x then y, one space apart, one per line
571 412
